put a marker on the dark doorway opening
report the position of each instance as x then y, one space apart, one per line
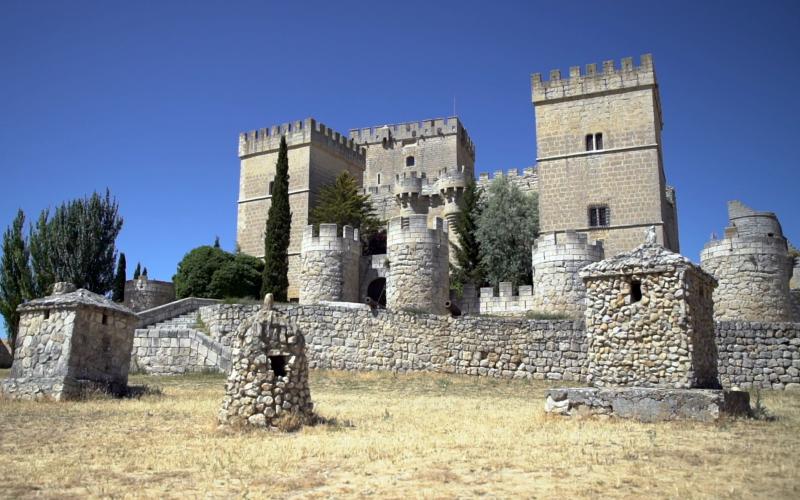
278 364
636 291
377 291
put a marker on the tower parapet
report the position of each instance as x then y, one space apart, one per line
413 130
329 264
556 259
418 276
592 81
299 132
753 267
527 181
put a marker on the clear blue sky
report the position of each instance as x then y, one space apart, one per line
148 98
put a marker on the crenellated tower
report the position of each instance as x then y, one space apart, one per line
329 264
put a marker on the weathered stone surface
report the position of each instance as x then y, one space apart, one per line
143 293
269 376
330 264
648 404
69 341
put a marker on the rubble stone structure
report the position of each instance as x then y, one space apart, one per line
753 267
317 155
68 342
599 155
418 254
330 264
649 321
556 259
270 372
144 293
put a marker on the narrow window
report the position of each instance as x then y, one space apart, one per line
271 183
47 314
636 291
105 319
410 161
599 216
384 142
598 141
589 142
278 364
379 179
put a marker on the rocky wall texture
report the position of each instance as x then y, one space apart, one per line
759 355
178 351
142 294
270 372
329 268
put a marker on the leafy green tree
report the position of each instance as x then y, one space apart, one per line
16 282
138 271
467 250
341 203
239 277
276 237
507 228
118 293
77 244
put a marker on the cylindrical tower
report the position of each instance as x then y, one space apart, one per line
753 274
407 191
556 259
143 293
418 276
329 264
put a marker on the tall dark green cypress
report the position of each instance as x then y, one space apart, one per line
276 238
467 251
138 271
118 292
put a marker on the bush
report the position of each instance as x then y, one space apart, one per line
213 273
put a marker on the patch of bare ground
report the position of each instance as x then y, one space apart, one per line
389 435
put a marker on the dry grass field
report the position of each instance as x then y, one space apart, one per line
419 435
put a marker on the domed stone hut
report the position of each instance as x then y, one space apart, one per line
270 372
68 342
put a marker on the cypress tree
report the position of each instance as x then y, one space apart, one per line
118 293
144 272
216 242
276 237
468 250
138 271
16 282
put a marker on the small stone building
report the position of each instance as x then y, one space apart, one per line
649 321
270 372
68 342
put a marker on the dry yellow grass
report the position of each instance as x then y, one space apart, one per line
419 435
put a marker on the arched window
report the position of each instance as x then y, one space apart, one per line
410 162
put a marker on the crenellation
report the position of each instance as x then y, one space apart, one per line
298 133
412 130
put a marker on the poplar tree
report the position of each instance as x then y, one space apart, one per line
118 293
16 283
467 249
507 228
276 238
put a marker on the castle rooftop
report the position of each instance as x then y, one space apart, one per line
413 130
298 133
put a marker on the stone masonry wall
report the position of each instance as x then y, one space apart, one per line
178 351
506 303
144 293
351 337
330 264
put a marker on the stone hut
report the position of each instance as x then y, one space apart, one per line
270 371
753 267
649 321
68 342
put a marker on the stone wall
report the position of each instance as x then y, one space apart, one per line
143 293
178 351
759 355
330 264
506 302
419 274
527 181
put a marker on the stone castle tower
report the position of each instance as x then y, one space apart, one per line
317 155
599 155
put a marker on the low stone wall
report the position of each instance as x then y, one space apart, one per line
759 355
168 352
222 320
171 310
506 303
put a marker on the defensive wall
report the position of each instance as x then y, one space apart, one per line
351 336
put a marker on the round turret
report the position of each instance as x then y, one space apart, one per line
556 260
143 293
329 264
418 277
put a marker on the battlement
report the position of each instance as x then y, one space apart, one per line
409 183
592 81
413 130
415 228
744 221
451 178
751 245
569 245
328 237
485 178
506 290
506 302
299 133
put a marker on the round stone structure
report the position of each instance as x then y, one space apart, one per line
556 259
419 276
143 293
269 376
753 268
329 264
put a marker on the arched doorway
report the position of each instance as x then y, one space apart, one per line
377 291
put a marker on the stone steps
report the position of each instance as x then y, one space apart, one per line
183 321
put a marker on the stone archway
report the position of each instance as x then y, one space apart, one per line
377 291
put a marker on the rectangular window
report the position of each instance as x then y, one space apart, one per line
270 187
598 141
599 216
589 142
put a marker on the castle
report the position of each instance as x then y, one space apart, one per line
599 169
